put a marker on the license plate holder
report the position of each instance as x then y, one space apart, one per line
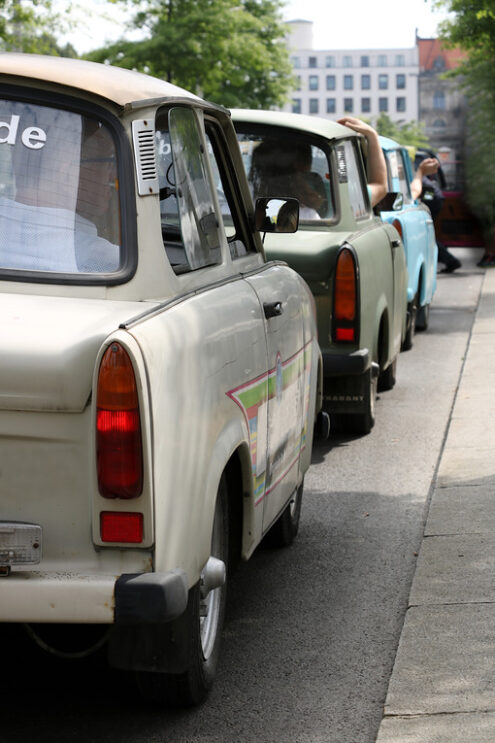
20 544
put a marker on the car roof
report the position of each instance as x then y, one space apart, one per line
312 124
389 144
116 84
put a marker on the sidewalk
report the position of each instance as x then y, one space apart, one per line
442 688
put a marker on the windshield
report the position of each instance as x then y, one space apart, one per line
59 208
282 163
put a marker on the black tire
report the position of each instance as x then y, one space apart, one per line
387 378
423 317
359 423
203 619
412 311
284 530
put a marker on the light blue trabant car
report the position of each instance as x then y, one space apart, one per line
414 223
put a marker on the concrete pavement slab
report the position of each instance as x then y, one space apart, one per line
466 466
462 510
455 569
474 430
444 663
460 728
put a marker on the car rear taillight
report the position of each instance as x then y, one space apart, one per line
345 298
119 453
398 227
116 526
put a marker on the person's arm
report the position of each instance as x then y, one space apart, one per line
377 167
426 167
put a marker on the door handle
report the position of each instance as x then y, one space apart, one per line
272 309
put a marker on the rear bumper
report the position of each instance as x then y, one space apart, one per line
346 364
73 598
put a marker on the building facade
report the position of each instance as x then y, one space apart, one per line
359 82
442 106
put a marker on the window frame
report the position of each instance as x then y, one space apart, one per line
271 130
126 192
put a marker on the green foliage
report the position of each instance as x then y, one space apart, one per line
472 28
409 133
228 51
30 26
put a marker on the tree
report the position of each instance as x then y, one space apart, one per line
232 52
30 26
409 133
471 27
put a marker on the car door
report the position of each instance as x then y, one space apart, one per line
279 293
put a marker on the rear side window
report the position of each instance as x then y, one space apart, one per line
190 228
350 164
283 163
397 170
59 203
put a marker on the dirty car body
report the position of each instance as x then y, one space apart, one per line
413 220
158 384
353 262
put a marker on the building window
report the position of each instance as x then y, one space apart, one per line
347 61
439 124
365 82
400 60
365 60
330 82
296 62
348 105
312 62
331 105
365 105
382 60
439 100
383 105
313 82
298 82
383 82
348 82
400 81
313 106
329 61
439 64
296 105
400 104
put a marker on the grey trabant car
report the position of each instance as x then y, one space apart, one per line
353 262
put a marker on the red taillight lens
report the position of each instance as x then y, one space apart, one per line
118 427
345 297
398 227
121 527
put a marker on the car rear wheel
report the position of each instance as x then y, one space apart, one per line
202 627
284 530
387 378
412 311
423 317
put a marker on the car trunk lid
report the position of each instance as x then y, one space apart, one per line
49 345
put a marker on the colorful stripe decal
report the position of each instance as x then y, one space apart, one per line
275 406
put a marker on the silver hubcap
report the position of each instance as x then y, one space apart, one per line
211 588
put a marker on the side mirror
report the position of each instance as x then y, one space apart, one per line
391 202
273 214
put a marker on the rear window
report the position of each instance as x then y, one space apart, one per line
282 163
59 205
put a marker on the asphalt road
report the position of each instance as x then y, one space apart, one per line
312 631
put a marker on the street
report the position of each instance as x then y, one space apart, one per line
311 631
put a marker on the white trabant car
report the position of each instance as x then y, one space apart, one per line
159 379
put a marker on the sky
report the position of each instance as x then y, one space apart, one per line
338 24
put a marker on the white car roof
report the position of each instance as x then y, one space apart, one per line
116 84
